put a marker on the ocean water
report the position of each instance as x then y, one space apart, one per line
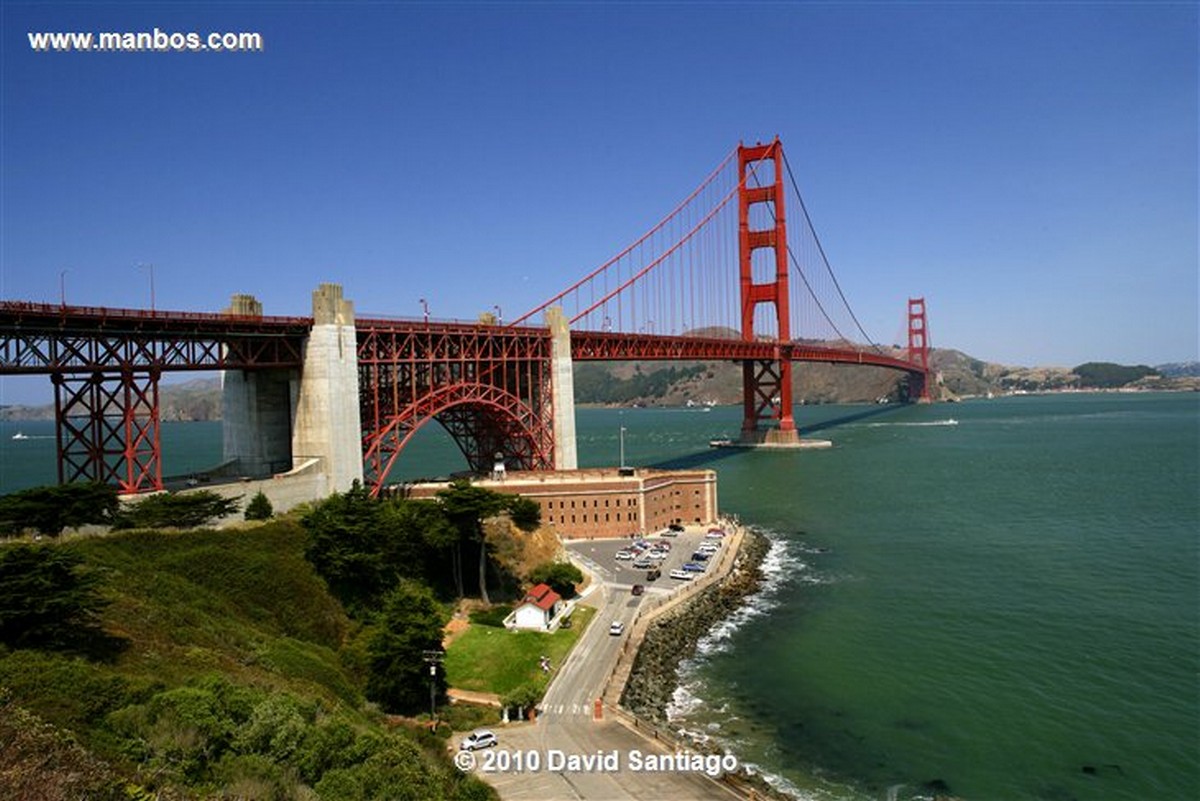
999 598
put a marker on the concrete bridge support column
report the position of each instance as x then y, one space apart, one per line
562 390
257 408
327 422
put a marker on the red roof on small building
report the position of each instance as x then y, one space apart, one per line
542 596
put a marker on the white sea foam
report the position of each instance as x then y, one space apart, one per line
950 421
782 566
685 700
779 564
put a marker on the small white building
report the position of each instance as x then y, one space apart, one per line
538 611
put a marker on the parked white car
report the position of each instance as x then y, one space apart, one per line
682 575
478 739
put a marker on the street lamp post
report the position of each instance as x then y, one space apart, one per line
425 309
499 315
150 267
62 287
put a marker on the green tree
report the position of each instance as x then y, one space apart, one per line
467 506
522 698
344 545
410 624
259 507
51 509
47 600
1106 375
561 576
176 509
526 514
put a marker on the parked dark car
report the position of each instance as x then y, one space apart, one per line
653 574
638 589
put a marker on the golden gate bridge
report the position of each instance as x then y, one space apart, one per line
724 276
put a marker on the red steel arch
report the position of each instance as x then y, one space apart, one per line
489 386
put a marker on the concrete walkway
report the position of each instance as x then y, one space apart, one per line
611 753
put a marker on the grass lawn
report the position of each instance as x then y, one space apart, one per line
492 659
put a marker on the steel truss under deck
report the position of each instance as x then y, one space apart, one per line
106 364
488 386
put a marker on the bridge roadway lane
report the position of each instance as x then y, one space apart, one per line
566 724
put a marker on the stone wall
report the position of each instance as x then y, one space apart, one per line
672 638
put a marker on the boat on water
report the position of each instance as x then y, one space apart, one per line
20 435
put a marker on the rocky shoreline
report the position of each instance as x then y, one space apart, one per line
673 637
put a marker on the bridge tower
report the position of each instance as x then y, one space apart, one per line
766 384
918 349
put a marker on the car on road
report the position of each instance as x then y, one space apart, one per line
624 554
616 628
694 567
653 574
643 563
709 547
478 739
637 589
715 534
674 528
682 575
700 556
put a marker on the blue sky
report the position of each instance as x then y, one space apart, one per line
1030 168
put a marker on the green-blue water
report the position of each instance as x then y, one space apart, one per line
1009 605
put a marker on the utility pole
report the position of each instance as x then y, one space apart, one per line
433 659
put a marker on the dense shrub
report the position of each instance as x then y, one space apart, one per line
561 576
177 510
492 616
51 509
47 600
259 507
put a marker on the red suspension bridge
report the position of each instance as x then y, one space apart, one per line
722 277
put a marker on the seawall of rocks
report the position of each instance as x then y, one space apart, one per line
673 637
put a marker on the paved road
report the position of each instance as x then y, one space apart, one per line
531 761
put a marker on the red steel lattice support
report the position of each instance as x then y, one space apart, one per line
108 429
766 385
918 348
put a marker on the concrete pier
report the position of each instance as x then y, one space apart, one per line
562 387
327 424
299 429
257 408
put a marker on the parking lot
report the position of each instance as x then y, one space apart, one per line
601 554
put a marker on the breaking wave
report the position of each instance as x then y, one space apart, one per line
693 709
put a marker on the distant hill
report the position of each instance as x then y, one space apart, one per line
1179 369
677 383
192 400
